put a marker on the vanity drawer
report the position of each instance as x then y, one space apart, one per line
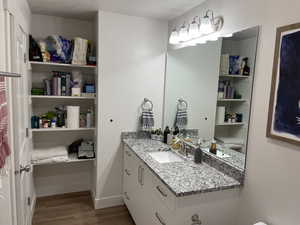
161 215
162 193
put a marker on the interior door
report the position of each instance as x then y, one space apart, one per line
19 97
6 174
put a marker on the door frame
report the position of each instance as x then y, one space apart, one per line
10 27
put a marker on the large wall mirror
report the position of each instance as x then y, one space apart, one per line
208 92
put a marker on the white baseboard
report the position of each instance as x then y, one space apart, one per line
107 202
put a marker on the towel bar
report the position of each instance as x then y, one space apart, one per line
8 74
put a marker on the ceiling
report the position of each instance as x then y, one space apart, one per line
85 9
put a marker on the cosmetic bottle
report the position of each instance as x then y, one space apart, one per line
166 132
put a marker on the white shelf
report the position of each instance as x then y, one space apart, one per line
230 124
234 76
59 97
61 64
72 159
231 100
61 129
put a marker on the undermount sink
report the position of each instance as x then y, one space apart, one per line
166 157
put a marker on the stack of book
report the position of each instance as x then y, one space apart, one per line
59 85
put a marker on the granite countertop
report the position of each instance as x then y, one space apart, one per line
236 159
182 178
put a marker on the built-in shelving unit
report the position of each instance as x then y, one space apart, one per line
243 46
55 174
62 65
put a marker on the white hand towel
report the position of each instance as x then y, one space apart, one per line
260 223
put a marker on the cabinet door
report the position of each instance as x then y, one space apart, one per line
136 185
130 182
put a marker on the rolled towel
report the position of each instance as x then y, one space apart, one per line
260 223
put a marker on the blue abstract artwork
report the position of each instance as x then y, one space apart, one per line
287 106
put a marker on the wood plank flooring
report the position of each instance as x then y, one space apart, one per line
77 209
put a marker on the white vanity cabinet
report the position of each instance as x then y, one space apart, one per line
151 202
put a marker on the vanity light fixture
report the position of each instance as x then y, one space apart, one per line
199 31
184 33
194 29
207 23
174 37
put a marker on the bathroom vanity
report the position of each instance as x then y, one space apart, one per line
206 84
168 190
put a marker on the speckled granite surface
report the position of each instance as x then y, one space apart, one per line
182 178
236 159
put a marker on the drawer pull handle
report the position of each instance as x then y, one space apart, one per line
127 172
126 196
160 219
161 191
142 176
128 153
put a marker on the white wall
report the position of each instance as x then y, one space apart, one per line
43 26
131 67
193 74
272 185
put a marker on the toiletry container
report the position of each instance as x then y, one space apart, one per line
220 114
198 155
213 147
73 117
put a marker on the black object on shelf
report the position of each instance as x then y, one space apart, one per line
166 132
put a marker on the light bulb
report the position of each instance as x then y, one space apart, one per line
206 26
194 29
183 33
174 37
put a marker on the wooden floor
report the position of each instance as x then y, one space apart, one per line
77 209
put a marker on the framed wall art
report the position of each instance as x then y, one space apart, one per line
284 106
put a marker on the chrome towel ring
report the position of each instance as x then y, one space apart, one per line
144 104
181 102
